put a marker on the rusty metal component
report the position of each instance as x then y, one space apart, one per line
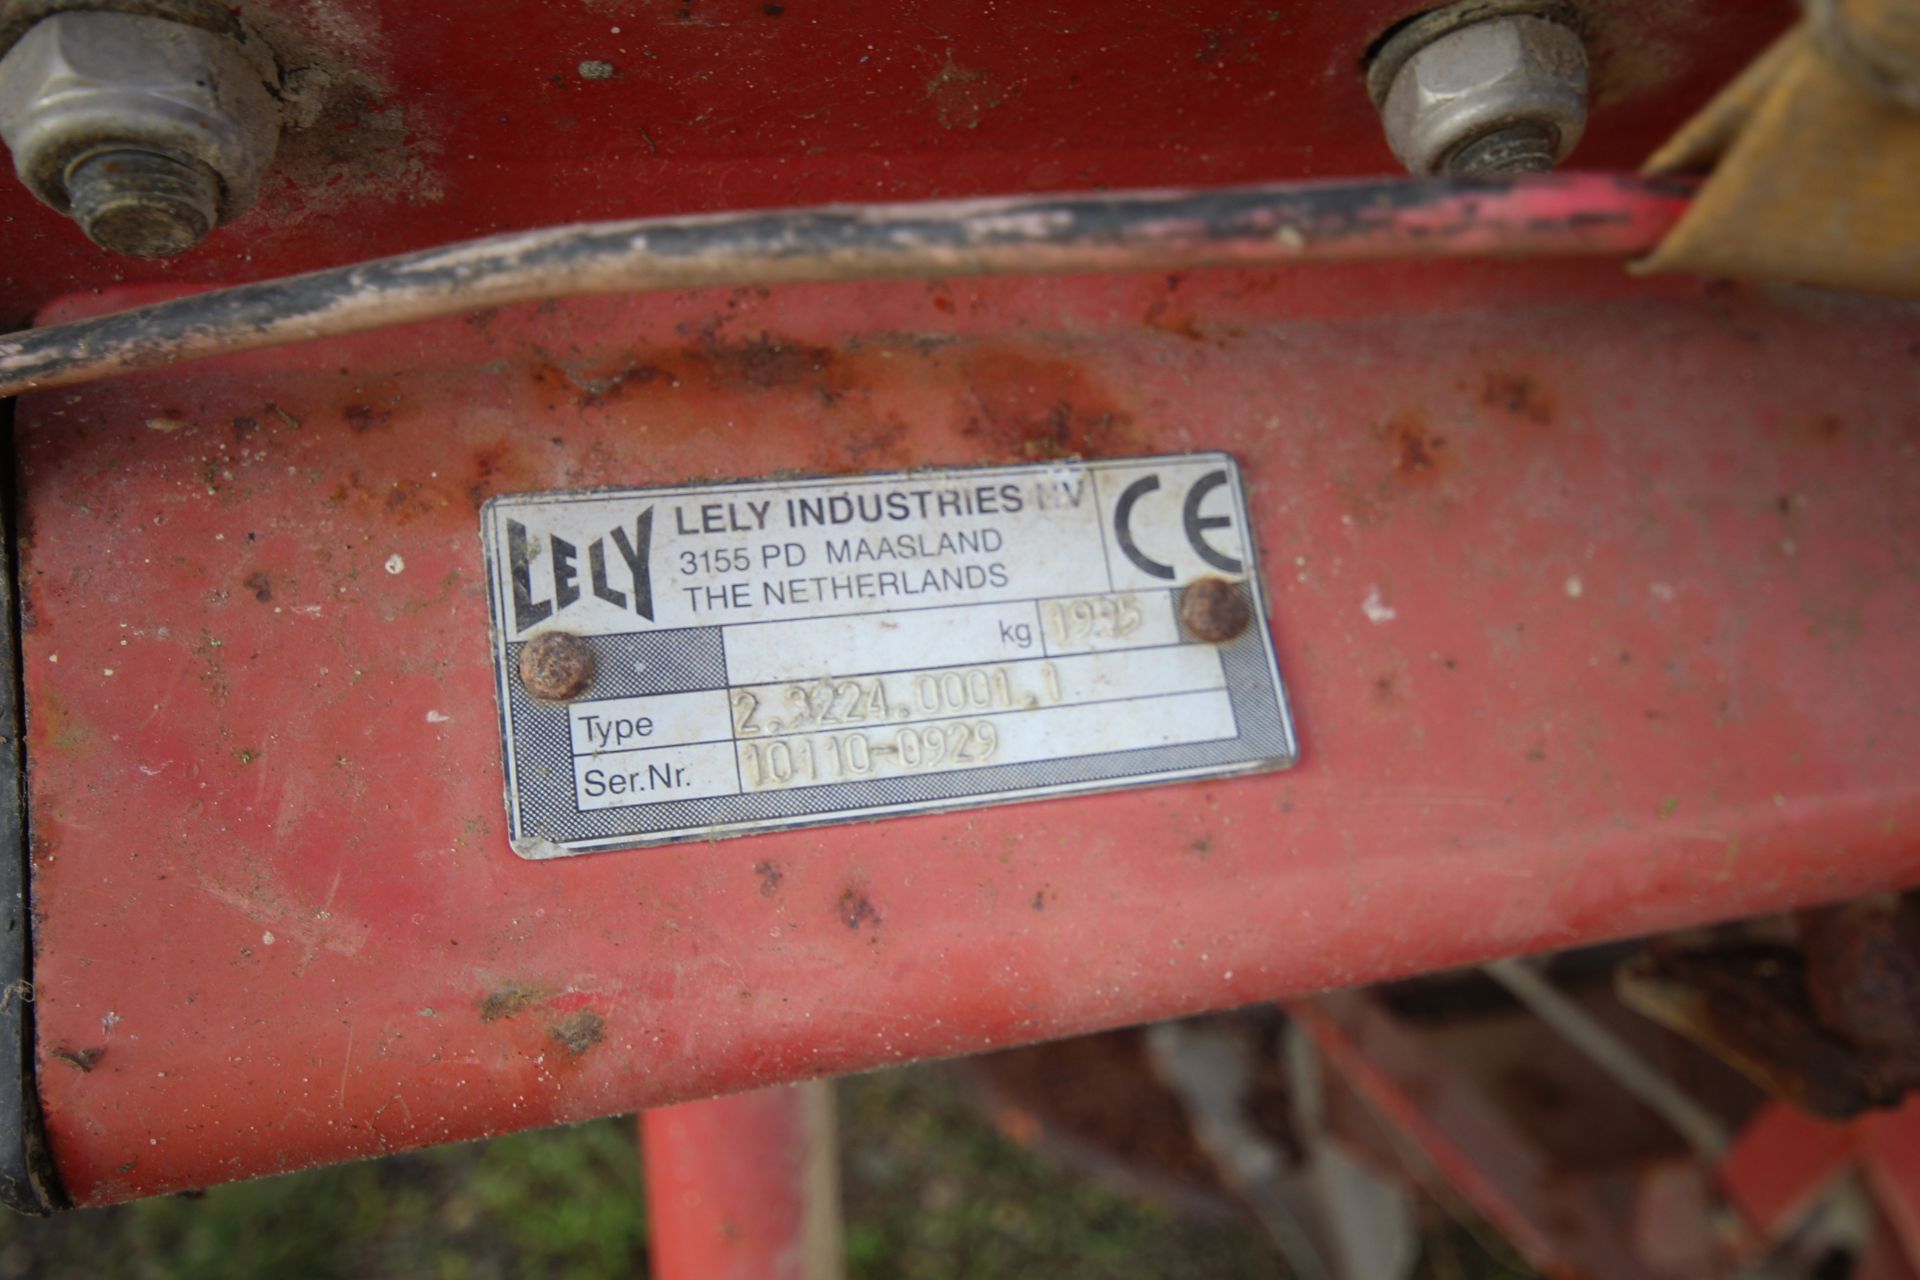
1747 1004
143 203
1482 89
147 132
1310 222
1863 982
1214 610
1527 146
1831 1025
556 666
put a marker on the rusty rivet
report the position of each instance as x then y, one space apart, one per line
1214 610
556 666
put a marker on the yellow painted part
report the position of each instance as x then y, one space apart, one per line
1816 182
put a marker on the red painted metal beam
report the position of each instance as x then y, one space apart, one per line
1595 598
744 1188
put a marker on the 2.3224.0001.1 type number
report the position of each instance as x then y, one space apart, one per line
830 703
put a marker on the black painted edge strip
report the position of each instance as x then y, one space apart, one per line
28 1182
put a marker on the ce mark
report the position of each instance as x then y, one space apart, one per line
1195 524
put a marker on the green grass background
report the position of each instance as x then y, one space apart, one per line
932 1192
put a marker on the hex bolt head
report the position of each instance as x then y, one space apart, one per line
1504 94
556 666
143 203
1214 610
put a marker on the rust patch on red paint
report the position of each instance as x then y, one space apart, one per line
766 363
856 909
408 500
82 1060
1180 324
54 726
260 585
403 502
1040 409
1826 428
511 999
1518 394
883 444
497 467
606 390
1418 451
579 1031
763 363
362 418
1021 406
592 386
770 877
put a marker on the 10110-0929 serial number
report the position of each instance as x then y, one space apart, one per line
841 757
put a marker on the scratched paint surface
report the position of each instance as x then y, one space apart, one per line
414 124
1597 601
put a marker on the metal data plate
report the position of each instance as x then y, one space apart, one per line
796 652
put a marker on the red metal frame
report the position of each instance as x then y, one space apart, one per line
1783 1160
437 124
1554 1219
1595 604
1451 1132
1786 1159
744 1188
1595 598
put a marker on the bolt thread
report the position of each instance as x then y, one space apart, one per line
143 203
1524 147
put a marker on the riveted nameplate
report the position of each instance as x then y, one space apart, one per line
718 660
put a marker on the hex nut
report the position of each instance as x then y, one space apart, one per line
1510 73
17 17
556 666
79 83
